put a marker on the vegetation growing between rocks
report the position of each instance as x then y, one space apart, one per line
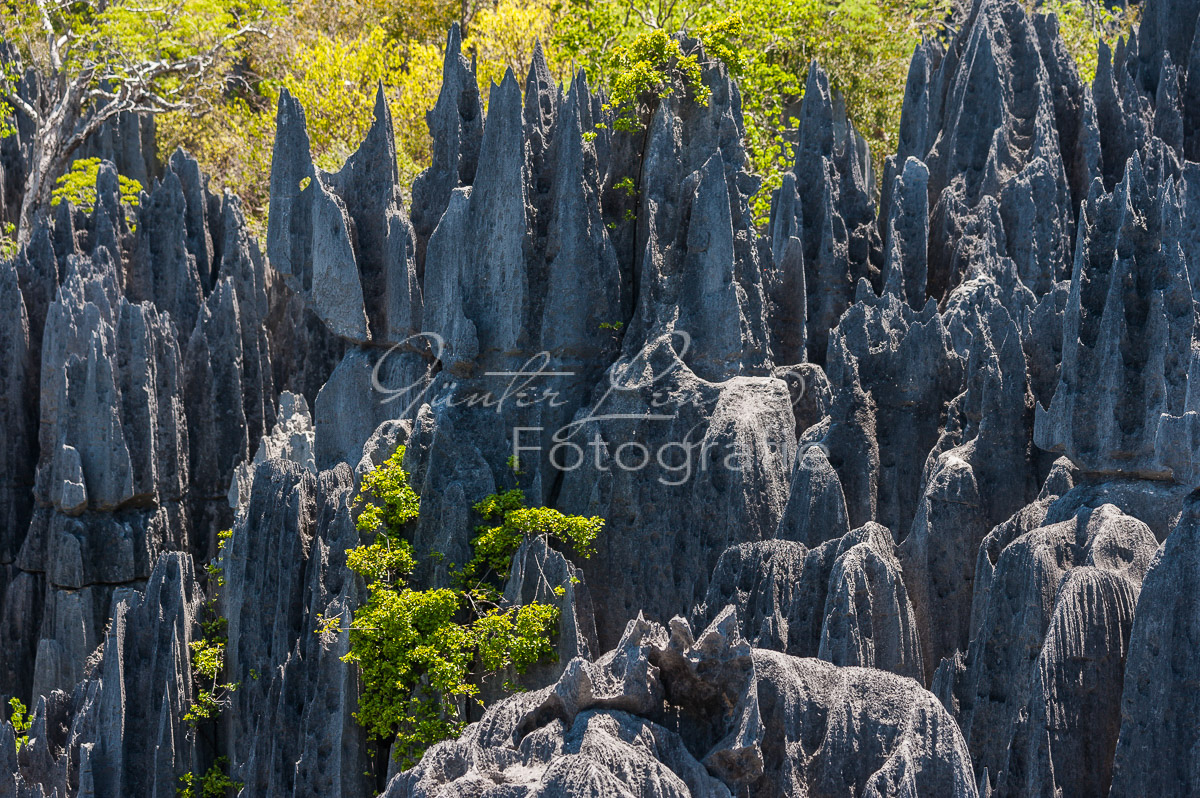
215 783
1083 25
78 187
212 695
424 653
20 720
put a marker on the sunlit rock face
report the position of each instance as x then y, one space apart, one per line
897 485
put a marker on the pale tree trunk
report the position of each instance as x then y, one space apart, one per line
54 142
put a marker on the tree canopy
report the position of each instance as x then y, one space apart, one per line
97 59
213 70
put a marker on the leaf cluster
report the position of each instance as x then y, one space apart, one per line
423 653
215 783
20 720
651 67
208 653
78 186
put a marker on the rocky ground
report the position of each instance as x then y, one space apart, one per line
916 516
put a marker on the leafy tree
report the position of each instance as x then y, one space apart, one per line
78 186
1083 24
101 58
864 45
423 653
333 63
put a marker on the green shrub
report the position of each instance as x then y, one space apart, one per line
423 653
20 721
215 783
208 653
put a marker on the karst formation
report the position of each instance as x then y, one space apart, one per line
898 488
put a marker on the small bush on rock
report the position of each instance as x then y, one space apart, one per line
424 653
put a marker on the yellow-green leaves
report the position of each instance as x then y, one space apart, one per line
423 653
386 560
78 186
652 66
208 657
215 783
1083 24
208 653
395 502
20 721
510 522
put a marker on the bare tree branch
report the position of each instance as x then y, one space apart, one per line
16 101
51 39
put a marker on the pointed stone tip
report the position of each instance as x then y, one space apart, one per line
816 75
453 42
382 113
915 170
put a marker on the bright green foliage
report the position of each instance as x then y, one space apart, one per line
8 241
511 522
395 504
208 658
208 653
78 186
651 67
213 784
20 721
8 82
864 46
1083 24
424 653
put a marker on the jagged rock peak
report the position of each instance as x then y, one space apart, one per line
1128 329
579 734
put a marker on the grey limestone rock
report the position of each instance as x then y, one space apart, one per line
1004 129
830 211
1039 706
121 730
1127 329
688 489
869 620
816 508
18 381
292 439
891 370
634 723
309 231
944 439
456 128
290 730
763 582
1158 739
980 472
